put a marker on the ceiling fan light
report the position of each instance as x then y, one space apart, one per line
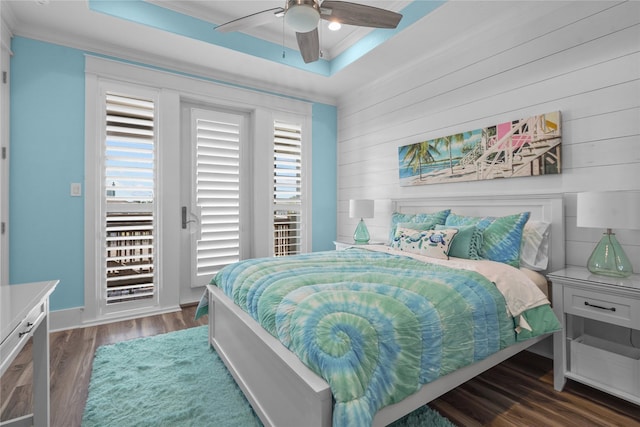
334 26
302 18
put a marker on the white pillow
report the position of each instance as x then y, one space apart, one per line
534 249
431 243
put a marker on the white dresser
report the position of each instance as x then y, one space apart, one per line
24 312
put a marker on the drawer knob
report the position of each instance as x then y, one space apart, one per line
587 303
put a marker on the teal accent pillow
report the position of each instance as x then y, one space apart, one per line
436 218
501 237
467 243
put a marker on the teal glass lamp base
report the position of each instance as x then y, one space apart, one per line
608 258
361 235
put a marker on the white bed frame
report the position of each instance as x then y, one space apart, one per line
285 393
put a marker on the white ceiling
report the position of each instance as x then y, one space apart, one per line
455 24
332 42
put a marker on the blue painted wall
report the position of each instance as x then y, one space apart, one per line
47 155
46 239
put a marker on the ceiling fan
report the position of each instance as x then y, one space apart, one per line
303 17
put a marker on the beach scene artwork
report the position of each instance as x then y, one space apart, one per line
523 147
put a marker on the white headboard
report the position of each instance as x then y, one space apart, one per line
544 207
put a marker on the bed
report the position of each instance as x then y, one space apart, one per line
284 391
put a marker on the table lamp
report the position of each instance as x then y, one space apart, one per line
361 209
609 209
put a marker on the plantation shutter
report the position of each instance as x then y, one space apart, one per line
287 188
129 192
217 191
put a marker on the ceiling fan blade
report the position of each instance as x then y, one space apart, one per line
309 44
249 21
359 14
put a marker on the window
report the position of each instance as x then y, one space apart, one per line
287 188
129 199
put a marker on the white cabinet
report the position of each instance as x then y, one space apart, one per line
24 313
599 344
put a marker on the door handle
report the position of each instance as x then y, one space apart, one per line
195 219
185 220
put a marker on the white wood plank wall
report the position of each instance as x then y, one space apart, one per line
579 57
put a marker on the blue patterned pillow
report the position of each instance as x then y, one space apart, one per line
431 243
435 218
501 237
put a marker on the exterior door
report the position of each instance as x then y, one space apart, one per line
211 214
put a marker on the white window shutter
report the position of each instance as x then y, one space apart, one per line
287 188
129 190
217 190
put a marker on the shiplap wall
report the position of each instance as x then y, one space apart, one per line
582 58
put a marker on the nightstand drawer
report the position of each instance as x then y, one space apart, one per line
606 308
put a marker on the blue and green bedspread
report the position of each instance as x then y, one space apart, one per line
376 326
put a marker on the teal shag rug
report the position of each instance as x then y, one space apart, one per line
177 379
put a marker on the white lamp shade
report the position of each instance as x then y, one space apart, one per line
361 208
609 209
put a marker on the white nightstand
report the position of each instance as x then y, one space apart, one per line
340 246
599 344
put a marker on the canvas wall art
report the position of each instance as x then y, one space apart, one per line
523 147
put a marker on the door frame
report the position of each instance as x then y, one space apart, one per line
174 90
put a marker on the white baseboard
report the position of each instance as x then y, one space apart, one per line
191 295
72 318
69 318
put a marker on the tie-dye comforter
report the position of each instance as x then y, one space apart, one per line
375 326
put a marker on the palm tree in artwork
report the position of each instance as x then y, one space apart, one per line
447 141
419 154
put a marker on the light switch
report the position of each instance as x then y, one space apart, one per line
76 189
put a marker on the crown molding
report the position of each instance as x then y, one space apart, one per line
164 62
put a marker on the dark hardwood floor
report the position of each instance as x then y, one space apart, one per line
518 392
